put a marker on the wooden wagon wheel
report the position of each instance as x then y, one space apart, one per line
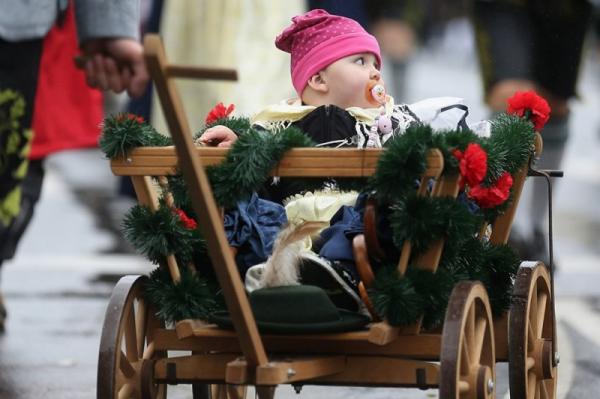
125 363
531 349
467 361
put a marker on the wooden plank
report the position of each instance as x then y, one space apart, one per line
342 162
285 372
335 370
196 72
422 346
185 328
382 333
145 192
205 206
502 225
199 367
383 371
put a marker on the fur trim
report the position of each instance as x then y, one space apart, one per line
282 266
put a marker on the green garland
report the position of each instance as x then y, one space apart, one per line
423 220
193 298
402 300
122 133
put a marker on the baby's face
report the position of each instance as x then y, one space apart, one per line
350 80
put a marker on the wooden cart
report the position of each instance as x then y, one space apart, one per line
460 358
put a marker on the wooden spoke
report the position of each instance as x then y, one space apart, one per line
130 336
149 351
479 337
529 363
531 337
544 390
465 360
463 387
541 314
125 392
531 385
533 310
140 326
470 326
125 366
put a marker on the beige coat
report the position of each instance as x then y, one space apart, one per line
234 34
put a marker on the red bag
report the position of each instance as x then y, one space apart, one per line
67 113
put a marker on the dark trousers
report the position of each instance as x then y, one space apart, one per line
19 68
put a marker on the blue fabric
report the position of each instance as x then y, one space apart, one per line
345 224
252 228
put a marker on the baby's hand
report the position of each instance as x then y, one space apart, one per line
218 136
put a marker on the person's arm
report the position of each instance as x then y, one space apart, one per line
108 33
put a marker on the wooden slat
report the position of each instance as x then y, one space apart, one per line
429 260
185 328
204 367
502 225
336 370
284 371
423 346
196 72
205 206
311 162
145 192
383 371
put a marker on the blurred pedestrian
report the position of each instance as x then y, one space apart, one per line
108 38
525 45
228 34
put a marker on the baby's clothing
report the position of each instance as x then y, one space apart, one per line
331 126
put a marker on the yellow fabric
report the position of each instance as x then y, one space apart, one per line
236 34
292 110
316 207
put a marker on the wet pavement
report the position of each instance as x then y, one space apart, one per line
57 288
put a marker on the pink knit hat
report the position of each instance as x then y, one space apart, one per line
317 39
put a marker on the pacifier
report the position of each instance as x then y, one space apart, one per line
378 93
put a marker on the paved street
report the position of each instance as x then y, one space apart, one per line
58 286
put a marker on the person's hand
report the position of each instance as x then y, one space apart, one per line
218 136
116 64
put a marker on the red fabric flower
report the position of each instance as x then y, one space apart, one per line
530 105
489 197
129 116
218 112
472 164
187 221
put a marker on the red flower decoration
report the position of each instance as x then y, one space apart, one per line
187 221
472 164
129 116
489 197
528 104
218 112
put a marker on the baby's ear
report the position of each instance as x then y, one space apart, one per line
317 83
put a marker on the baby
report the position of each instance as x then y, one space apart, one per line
335 69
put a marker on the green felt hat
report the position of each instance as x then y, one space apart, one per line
296 309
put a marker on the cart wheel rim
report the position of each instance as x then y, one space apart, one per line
467 361
126 340
532 366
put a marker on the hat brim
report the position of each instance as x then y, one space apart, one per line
349 321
